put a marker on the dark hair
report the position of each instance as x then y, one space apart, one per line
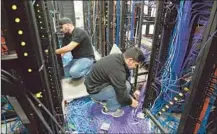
64 20
134 53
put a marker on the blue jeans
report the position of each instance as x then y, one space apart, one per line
78 68
108 94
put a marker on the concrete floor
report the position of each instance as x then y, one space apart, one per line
73 89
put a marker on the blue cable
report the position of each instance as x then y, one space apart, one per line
107 33
12 128
132 22
118 22
9 107
107 36
88 20
170 73
5 122
183 37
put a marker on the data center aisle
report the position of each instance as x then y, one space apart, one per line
84 116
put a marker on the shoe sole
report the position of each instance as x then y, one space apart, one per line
105 112
111 114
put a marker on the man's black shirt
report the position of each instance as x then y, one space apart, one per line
110 70
84 49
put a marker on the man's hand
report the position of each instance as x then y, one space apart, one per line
136 94
57 51
67 48
134 103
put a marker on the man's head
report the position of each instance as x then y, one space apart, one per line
65 25
133 57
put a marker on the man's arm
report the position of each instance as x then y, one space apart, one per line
118 81
67 48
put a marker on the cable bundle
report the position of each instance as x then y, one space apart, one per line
184 47
86 117
13 126
171 70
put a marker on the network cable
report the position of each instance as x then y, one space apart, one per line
17 83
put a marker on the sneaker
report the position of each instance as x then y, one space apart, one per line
117 113
99 102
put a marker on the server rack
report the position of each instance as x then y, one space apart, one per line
103 24
85 14
47 38
100 37
201 87
103 35
204 74
66 9
29 26
159 21
110 25
123 20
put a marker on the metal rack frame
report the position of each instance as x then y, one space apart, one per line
159 21
35 50
48 48
201 77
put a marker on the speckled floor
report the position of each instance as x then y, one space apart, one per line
85 116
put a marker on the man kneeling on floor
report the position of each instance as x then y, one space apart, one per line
108 81
78 42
